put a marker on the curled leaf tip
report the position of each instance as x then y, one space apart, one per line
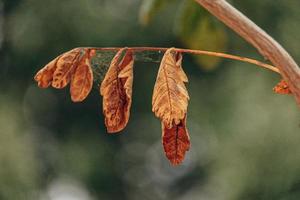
44 76
282 88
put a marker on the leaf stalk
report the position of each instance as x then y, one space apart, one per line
198 52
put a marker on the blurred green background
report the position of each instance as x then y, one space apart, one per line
245 139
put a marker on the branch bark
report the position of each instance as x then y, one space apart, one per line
265 44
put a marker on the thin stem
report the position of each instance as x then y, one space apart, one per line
199 52
234 57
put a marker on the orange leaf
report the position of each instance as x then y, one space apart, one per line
282 88
44 77
66 65
176 141
170 96
116 89
82 80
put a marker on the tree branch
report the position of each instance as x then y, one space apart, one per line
265 44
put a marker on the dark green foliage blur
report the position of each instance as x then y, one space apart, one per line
245 139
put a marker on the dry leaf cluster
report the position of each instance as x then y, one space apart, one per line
169 101
72 66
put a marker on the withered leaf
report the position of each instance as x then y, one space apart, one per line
116 89
71 66
66 65
44 77
82 80
176 141
282 88
170 96
169 103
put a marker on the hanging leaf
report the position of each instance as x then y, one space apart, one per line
82 79
66 65
116 90
169 103
44 77
197 29
176 141
170 96
282 88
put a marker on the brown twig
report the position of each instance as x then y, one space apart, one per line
199 52
265 44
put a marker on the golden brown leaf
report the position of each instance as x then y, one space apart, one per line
82 80
170 96
169 103
116 89
282 88
66 65
44 77
176 141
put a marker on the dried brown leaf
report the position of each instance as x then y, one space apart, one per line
116 89
169 103
282 88
82 80
66 66
176 141
44 77
170 96
71 66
